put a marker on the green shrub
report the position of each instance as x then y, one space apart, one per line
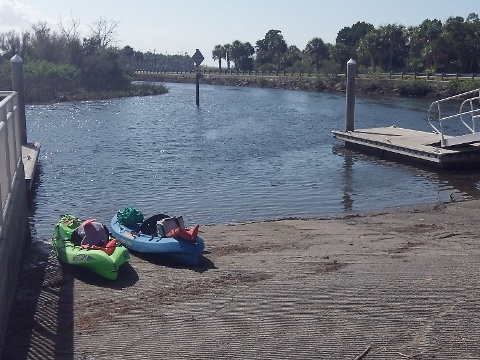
368 86
43 68
414 88
455 87
320 84
5 68
268 67
330 68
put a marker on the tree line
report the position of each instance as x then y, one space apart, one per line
432 46
94 62
91 61
67 66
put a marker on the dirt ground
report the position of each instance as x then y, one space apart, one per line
394 284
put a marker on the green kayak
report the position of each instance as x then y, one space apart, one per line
102 256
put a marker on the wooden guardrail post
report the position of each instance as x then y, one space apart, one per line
350 95
16 64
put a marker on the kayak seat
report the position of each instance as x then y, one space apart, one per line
149 226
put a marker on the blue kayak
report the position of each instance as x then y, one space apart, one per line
142 237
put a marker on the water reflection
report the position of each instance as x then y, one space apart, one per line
461 184
347 199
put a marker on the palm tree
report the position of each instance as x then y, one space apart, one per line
227 48
317 50
370 46
340 53
292 56
473 41
271 49
236 50
219 53
394 44
276 45
246 56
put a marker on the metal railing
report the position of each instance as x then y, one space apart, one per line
427 76
10 145
469 109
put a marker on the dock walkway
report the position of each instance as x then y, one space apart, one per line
410 145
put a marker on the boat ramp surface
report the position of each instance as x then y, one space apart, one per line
408 145
401 284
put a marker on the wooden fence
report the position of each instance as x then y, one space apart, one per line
390 75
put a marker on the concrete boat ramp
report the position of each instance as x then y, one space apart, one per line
396 143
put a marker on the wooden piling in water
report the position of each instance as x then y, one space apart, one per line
351 77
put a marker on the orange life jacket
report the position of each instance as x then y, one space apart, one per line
109 248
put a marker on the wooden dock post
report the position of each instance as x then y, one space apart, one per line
351 77
16 64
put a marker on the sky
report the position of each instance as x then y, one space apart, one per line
182 26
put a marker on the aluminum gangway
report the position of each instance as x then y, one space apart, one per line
468 114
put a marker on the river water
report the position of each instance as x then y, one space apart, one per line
245 154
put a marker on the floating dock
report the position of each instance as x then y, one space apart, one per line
429 148
395 143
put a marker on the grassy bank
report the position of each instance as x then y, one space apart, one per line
42 90
46 93
327 83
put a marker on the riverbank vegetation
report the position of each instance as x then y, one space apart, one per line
432 46
385 84
66 66
431 49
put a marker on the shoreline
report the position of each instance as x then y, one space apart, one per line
365 86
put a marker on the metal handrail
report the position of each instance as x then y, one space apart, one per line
435 112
